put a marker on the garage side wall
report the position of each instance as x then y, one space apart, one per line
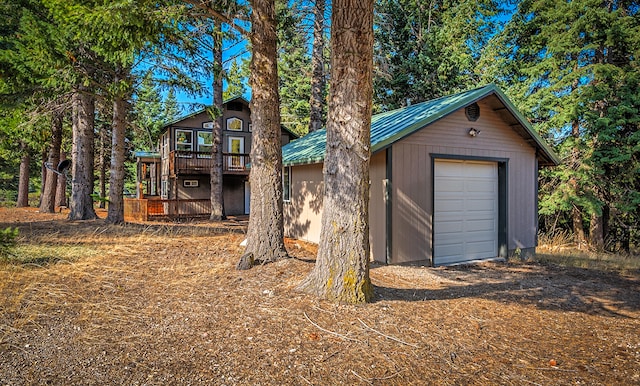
303 213
412 197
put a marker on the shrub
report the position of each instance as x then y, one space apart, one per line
7 241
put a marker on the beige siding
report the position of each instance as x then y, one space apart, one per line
412 179
303 212
377 209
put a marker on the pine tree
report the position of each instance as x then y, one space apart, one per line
424 50
341 272
294 67
572 67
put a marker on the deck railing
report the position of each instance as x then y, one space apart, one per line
150 209
194 162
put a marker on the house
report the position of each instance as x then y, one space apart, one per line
175 181
453 180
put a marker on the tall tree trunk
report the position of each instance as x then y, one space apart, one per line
81 207
265 235
23 182
61 190
596 232
102 166
115 213
216 176
316 102
578 227
341 272
48 199
43 173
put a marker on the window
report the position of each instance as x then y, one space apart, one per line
164 189
234 124
165 145
286 184
191 183
205 143
184 140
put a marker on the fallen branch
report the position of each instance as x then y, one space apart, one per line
329 332
362 379
388 336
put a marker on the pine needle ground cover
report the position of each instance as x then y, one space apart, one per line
161 304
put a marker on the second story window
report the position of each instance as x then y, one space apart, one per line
205 142
184 140
234 124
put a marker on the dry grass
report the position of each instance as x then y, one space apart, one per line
163 304
559 249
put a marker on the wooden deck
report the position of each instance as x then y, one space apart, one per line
191 162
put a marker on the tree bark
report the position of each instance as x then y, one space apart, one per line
61 190
23 181
81 207
341 272
48 200
578 227
596 232
115 211
265 234
216 176
102 165
316 102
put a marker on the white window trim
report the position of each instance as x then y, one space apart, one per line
229 120
198 144
190 143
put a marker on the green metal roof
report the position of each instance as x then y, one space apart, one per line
147 154
391 126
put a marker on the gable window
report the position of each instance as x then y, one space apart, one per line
286 184
205 143
184 140
234 124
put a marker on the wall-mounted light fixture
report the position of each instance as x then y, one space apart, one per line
473 132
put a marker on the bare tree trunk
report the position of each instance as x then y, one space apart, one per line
216 176
82 157
596 232
43 173
578 227
115 213
102 166
265 235
316 102
61 190
341 272
48 199
23 182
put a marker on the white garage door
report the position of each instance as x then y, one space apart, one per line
465 224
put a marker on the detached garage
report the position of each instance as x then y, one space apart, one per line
453 180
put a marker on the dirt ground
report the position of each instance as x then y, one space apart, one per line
161 304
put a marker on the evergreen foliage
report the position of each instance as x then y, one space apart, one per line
572 68
7 241
294 66
424 50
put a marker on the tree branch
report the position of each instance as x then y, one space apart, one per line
202 5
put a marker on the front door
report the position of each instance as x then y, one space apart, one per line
236 146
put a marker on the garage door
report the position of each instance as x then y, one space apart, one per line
465 223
